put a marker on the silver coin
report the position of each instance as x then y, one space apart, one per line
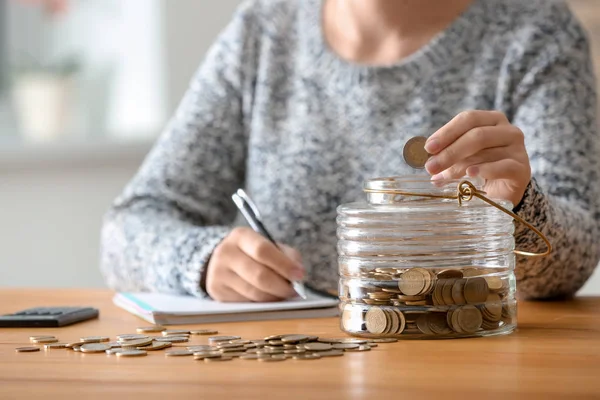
94 339
172 339
28 349
50 346
94 348
149 329
201 355
178 353
175 332
216 339
115 350
414 152
131 336
132 353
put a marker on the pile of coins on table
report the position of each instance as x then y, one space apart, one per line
219 348
417 302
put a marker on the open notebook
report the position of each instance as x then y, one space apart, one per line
167 309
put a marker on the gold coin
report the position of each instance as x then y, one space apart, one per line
150 329
414 152
454 321
94 348
476 290
447 291
437 297
376 320
423 324
131 353
494 282
450 273
402 324
489 325
457 292
469 318
204 332
471 272
437 324
492 309
416 303
402 297
28 349
94 339
412 282
394 321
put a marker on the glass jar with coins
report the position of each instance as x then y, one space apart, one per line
423 259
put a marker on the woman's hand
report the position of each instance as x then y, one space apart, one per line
484 144
247 267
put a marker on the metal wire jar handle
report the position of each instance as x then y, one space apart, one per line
465 192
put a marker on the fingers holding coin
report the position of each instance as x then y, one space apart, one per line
484 144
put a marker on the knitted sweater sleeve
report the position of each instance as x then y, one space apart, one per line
160 232
555 106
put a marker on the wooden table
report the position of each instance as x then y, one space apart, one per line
554 354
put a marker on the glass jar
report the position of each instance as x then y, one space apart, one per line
414 263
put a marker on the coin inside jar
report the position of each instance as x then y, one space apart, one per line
414 152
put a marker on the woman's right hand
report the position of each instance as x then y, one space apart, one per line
245 266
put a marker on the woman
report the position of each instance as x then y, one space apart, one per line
300 101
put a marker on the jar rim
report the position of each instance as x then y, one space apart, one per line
419 183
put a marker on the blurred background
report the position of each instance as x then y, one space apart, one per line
86 86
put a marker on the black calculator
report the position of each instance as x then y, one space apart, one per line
47 317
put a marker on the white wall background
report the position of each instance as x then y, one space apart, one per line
52 198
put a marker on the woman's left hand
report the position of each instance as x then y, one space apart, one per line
484 144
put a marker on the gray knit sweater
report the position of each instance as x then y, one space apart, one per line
274 110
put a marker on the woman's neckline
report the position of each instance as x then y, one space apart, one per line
426 58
